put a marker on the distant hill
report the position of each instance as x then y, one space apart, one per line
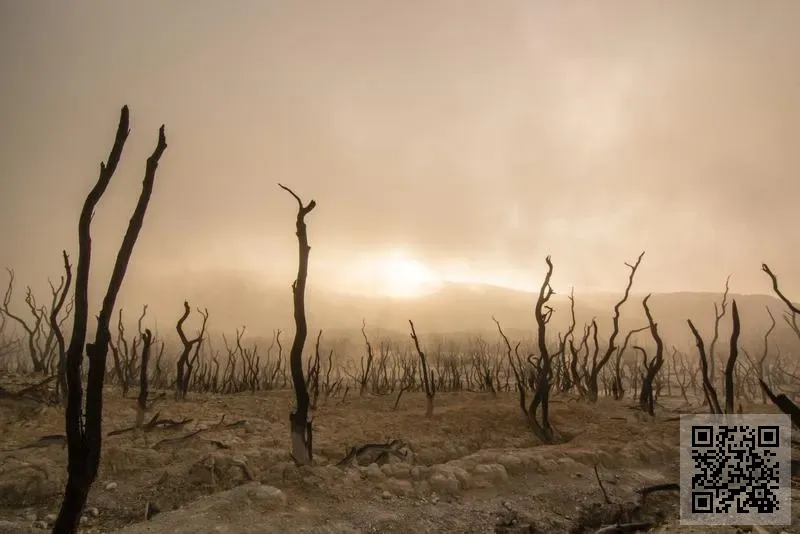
239 299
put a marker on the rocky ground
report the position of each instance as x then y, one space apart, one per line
473 467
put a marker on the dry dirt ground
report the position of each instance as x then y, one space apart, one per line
473 468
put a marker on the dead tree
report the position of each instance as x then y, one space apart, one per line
646 400
709 392
792 315
593 388
541 396
758 366
84 436
365 369
301 430
55 326
427 374
32 330
719 314
731 365
517 368
184 364
618 386
141 401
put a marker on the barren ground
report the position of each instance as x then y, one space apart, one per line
473 467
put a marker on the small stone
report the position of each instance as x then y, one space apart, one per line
83 519
386 494
93 511
40 525
111 486
50 519
268 497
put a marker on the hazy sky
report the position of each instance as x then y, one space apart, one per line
474 137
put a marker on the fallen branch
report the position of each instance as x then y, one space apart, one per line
174 441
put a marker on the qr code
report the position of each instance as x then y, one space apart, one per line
735 469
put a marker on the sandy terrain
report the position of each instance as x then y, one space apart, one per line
473 467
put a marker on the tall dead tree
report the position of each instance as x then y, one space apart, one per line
732 356
646 399
428 382
541 396
783 403
185 364
597 366
365 369
55 326
719 314
300 424
84 436
791 317
141 400
709 392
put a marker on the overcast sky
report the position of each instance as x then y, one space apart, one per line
475 136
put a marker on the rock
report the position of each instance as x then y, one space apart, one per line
492 473
50 519
386 494
111 486
22 483
445 483
266 497
397 470
511 463
374 473
93 511
403 488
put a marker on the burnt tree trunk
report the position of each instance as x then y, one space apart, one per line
84 437
646 398
597 366
299 422
141 401
61 380
733 355
709 392
541 396
428 382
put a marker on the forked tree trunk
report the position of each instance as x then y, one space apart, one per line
84 437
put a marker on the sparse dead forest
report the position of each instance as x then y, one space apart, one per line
162 376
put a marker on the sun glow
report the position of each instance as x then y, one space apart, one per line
393 273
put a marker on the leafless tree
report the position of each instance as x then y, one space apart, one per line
709 392
301 429
365 368
597 366
733 355
426 373
55 326
84 436
646 400
185 364
541 395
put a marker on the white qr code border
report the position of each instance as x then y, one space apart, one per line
688 468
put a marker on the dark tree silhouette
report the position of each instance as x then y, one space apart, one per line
84 436
301 430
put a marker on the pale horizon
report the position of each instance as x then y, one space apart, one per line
443 142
